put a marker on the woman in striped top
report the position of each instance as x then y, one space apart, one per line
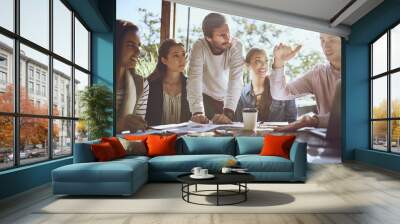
132 90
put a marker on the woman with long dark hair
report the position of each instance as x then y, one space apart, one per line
132 89
167 102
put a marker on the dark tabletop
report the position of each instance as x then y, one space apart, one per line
220 178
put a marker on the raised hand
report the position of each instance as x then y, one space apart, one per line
283 53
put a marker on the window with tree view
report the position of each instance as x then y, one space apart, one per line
385 94
38 80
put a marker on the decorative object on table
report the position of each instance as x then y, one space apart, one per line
250 118
239 195
200 173
232 163
96 104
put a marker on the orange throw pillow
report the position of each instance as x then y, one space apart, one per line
159 145
275 145
103 152
116 145
142 138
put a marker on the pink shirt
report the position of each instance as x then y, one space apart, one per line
320 81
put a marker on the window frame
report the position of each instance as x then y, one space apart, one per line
388 74
16 115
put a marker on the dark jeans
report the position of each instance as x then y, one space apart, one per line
212 106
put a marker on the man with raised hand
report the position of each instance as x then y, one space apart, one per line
215 73
321 81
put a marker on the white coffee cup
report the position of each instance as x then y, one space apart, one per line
203 172
250 118
196 171
226 170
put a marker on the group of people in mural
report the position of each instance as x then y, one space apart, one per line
213 88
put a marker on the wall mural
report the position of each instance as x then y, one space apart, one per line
226 75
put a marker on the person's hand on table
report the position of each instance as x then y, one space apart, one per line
132 123
221 119
305 121
199 118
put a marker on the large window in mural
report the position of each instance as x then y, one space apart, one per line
40 81
218 69
385 96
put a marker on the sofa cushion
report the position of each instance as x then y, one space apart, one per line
277 145
116 145
103 152
249 145
185 163
207 145
257 163
161 145
111 171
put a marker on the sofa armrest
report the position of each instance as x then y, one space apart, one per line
298 155
83 152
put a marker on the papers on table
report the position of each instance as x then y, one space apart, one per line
192 127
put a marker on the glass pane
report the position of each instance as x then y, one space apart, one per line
6 74
81 81
7 14
181 23
146 14
62 138
379 97
35 21
62 29
379 55
395 138
62 89
395 94
379 135
6 142
81 45
81 131
34 94
395 47
33 139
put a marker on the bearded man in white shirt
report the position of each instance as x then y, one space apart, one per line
215 73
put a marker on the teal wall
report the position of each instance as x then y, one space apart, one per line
356 73
99 16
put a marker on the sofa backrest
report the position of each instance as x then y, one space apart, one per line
83 153
206 145
249 145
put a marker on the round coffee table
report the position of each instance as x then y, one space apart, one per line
238 179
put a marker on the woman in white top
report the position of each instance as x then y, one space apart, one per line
167 103
132 90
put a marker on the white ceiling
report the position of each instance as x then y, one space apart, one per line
319 9
315 15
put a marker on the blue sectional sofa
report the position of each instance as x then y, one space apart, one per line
125 176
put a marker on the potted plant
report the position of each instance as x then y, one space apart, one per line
96 105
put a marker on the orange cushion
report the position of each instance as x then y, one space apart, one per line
116 145
103 151
275 145
142 138
159 145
